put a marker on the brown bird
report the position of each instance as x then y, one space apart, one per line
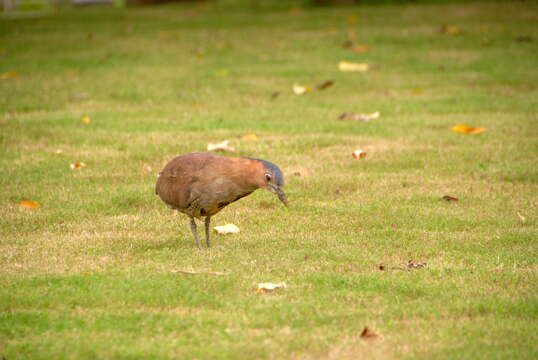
202 184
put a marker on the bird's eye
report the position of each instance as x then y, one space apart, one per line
268 177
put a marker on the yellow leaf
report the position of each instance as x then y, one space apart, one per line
77 165
351 66
226 229
29 204
85 120
464 129
269 287
359 154
250 137
9 75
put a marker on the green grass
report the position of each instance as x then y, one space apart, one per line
89 273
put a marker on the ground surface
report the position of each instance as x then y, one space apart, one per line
88 274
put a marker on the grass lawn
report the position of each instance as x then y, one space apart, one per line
89 273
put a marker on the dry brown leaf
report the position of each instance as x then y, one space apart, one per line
464 129
29 204
351 66
85 120
360 49
9 75
250 137
324 85
270 287
222 146
226 229
189 272
359 154
275 94
368 334
449 198
300 89
77 165
359 117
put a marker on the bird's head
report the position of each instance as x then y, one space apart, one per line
271 179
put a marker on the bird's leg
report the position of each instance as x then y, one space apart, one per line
207 221
195 233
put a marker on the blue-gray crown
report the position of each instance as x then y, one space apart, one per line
279 177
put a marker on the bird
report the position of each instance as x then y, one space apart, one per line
201 184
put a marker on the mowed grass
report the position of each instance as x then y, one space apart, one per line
89 273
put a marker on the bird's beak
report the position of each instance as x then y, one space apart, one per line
281 195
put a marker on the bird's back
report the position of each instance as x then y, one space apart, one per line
175 181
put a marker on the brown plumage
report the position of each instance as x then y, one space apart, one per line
202 184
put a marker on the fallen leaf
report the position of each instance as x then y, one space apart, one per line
360 49
359 117
464 129
85 120
275 94
77 165
9 75
449 198
270 287
189 272
382 267
226 229
449 30
324 85
368 334
29 204
359 154
351 66
222 146
300 89
147 168
250 137
58 151
521 217
413 265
